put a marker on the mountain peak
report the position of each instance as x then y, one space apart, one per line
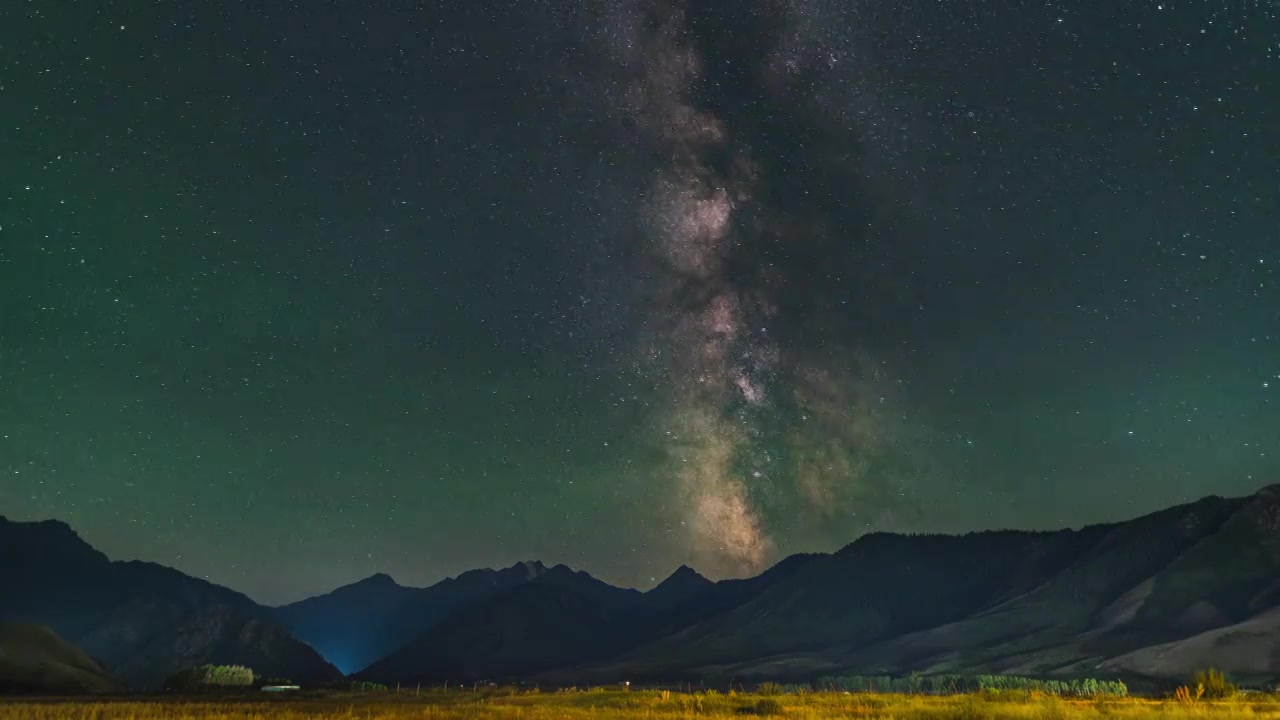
528 568
379 584
1263 512
684 576
57 527
379 580
563 576
562 570
679 586
51 542
1268 493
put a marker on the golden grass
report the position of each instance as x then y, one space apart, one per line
637 705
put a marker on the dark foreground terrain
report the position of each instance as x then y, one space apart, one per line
504 705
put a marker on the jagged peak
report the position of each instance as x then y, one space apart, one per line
53 536
527 569
1268 492
534 566
1263 509
561 573
49 524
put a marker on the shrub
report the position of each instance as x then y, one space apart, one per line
763 707
1186 694
768 688
1215 685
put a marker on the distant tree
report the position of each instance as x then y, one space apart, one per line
950 684
210 676
764 707
365 686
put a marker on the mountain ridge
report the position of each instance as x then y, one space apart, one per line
1048 602
365 621
1152 594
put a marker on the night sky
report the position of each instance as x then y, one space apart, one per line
291 294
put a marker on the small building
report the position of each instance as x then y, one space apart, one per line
280 688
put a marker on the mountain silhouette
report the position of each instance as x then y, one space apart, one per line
143 621
678 588
1155 597
360 623
1119 598
559 619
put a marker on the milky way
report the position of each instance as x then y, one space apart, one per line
755 401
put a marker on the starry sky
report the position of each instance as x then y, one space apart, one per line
294 293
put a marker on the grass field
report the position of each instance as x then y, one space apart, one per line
498 705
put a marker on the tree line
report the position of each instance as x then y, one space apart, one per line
209 676
948 684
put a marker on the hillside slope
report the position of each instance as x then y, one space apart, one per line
1118 588
1249 649
34 660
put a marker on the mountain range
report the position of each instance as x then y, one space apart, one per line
1159 596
